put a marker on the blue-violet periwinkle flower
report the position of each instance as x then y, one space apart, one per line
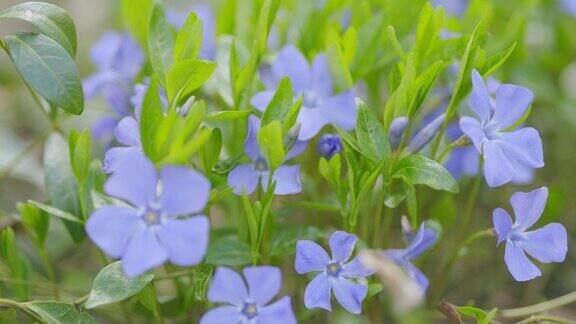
425 135
397 128
250 305
329 145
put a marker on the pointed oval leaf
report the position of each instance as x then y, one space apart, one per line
416 169
55 312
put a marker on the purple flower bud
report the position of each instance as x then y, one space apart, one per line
329 145
397 129
425 135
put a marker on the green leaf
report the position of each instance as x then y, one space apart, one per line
265 20
49 19
18 268
36 222
292 117
61 185
55 312
48 69
187 76
80 154
56 212
112 285
228 253
160 42
416 169
372 138
210 153
147 297
284 242
271 143
492 63
136 16
189 39
182 154
281 102
229 115
151 115
366 45
473 312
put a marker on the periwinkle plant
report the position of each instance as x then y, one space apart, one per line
244 136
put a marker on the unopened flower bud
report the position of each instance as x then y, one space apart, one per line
397 128
425 135
329 145
292 137
407 229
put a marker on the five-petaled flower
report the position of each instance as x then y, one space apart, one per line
321 106
248 304
157 226
119 60
420 243
546 244
245 177
504 151
335 273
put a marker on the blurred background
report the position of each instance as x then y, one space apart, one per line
544 61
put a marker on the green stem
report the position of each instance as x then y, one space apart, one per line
49 270
378 221
13 304
540 307
547 318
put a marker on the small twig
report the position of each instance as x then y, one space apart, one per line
540 307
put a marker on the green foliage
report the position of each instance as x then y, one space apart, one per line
279 106
136 16
36 222
17 266
372 139
189 39
417 169
186 76
228 253
272 144
55 312
161 38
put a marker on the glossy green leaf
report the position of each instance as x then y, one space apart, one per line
55 312
151 115
48 69
80 154
187 76
490 64
284 242
189 39
228 115
272 144
228 253
160 42
61 185
210 153
49 19
112 285
264 24
371 136
417 169
281 103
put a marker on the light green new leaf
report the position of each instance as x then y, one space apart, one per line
55 312
56 212
281 103
18 268
228 115
151 116
160 42
417 169
48 69
136 16
80 154
36 222
488 65
370 133
271 143
49 19
189 39
113 285
265 19
187 76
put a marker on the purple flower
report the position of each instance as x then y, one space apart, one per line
335 273
504 151
203 11
127 132
248 304
137 99
397 128
420 243
152 229
329 145
569 6
546 244
425 135
452 7
119 60
245 177
321 106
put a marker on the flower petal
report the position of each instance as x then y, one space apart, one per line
416 275
321 83
263 283
297 149
340 110
424 239
310 257
317 293
262 99
144 253
114 156
243 178
342 245
185 240
103 128
227 287
287 178
184 191
111 228
349 295
473 129
524 146
127 132
547 244
355 269
521 268
480 98
502 224
511 104
291 63
134 180
311 122
251 147
96 83
221 315
497 169
279 312
528 207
